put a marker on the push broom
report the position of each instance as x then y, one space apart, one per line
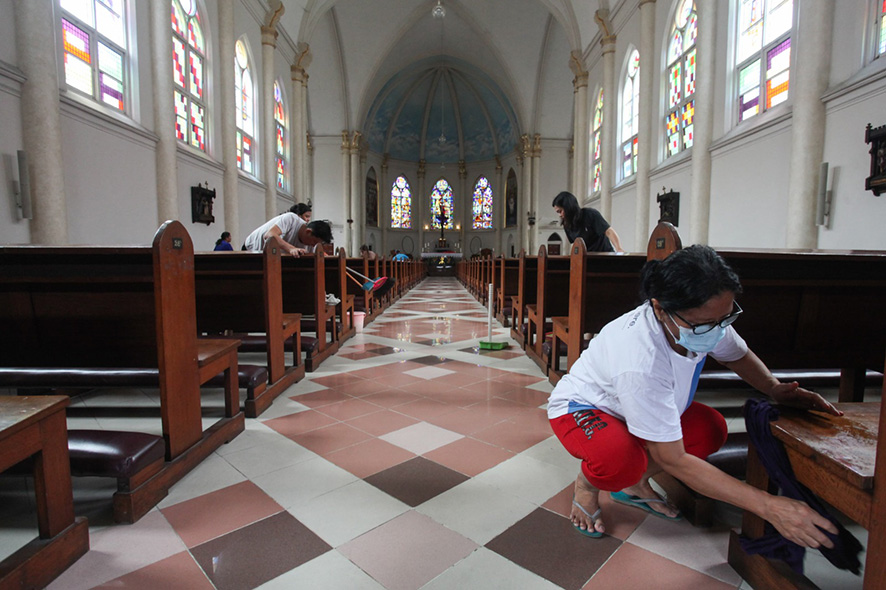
378 286
489 344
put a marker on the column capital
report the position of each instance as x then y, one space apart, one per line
345 141
298 74
462 169
576 64
536 145
303 57
384 162
498 166
269 35
269 25
422 166
607 32
524 146
309 145
356 141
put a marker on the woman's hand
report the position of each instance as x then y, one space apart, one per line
791 394
799 523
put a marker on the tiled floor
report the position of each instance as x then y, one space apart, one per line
409 460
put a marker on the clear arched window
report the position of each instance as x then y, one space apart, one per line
763 54
441 203
401 204
596 145
630 114
94 42
245 101
680 73
482 204
280 123
189 64
881 20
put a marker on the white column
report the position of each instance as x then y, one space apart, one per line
307 186
607 140
700 191
358 208
346 188
164 112
499 206
420 206
41 126
298 139
644 134
269 141
813 65
526 197
228 113
536 189
309 169
465 199
581 130
384 205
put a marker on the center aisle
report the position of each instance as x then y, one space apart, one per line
410 459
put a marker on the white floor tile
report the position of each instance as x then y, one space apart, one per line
486 570
528 478
421 438
303 482
330 571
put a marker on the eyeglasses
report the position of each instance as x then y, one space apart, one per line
705 328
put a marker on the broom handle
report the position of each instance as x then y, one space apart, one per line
355 280
490 312
349 269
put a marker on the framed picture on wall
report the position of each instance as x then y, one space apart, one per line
511 199
371 198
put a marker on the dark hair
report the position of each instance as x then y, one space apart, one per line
687 278
224 236
321 230
300 209
571 210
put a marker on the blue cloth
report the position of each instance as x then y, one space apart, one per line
401 256
844 555
223 245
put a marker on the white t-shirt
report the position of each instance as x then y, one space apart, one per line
631 372
289 224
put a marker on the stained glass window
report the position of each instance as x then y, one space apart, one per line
763 54
680 73
881 40
596 144
280 123
188 73
245 97
630 102
441 204
94 46
482 204
401 204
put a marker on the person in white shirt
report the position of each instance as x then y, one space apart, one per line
295 236
626 406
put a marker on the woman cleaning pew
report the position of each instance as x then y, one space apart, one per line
626 406
586 223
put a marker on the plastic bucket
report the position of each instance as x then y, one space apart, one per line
359 316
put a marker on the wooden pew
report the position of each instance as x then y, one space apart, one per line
242 293
119 316
527 292
843 461
552 299
602 286
304 292
509 285
337 284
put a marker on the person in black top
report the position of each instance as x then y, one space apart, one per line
585 223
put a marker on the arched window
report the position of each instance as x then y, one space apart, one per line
763 54
94 41
189 61
680 73
401 204
630 114
881 17
245 101
441 203
280 122
482 205
596 144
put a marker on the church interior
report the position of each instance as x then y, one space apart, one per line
407 456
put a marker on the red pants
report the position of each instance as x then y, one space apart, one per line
612 458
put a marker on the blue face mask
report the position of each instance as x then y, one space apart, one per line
700 343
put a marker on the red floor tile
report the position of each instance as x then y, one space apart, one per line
469 456
350 408
320 398
299 423
382 422
330 438
178 571
368 457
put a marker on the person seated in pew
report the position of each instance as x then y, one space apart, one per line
368 251
586 223
295 236
626 406
303 210
223 243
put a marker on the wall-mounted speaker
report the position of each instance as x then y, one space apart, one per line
23 198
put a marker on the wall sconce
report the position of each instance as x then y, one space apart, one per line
530 215
427 227
458 227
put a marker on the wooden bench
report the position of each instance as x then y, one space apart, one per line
843 461
241 293
304 292
527 279
552 299
98 317
337 284
509 284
